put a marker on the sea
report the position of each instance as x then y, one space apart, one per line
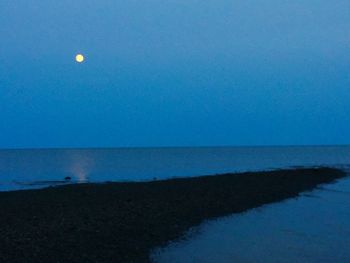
36 168
313 227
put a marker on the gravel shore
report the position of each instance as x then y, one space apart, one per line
122 222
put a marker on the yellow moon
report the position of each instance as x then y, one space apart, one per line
79 58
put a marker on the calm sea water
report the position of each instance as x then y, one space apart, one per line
23 169
313 228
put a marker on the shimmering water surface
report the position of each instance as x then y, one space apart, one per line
22 169
312 228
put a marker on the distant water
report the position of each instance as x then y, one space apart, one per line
312 228
23 169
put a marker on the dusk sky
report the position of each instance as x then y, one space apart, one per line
174 73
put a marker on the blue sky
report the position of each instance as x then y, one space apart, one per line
174 73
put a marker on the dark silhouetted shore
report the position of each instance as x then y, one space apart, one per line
123 222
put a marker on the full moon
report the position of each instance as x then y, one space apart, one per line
79 58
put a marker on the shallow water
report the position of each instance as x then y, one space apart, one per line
23 169
313 228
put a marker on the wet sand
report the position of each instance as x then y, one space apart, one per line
123 222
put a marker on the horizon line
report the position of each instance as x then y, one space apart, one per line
170 147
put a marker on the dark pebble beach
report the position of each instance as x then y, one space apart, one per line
123 222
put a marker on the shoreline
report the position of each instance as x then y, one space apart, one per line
123 222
